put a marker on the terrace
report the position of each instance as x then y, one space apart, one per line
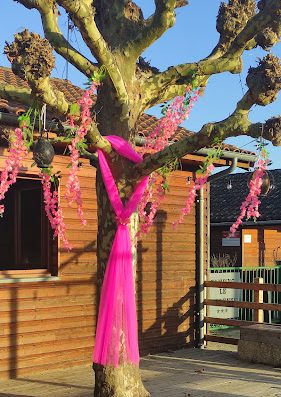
215 371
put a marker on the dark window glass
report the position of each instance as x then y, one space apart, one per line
24 229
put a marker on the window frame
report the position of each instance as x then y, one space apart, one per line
49 245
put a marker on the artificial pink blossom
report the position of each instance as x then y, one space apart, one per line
199 182
250 206
73 190
177 112
53 210
17 152
149 215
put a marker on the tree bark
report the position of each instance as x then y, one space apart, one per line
122 381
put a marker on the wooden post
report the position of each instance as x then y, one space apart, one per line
206 293
258 298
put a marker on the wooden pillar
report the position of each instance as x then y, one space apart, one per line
258 298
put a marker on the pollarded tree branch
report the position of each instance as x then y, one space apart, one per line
18 94
32 60
218 62
49 16
165 85
264 83
97 140
155 26
54 99
236 124
82 14
94 137
268 17
30 4
62 46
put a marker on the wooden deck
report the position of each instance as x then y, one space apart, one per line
185 373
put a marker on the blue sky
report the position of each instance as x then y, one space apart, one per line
192 38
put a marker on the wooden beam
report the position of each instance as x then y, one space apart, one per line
227 321
243 305
244 286
221 339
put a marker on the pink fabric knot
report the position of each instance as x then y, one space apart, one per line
122 221
117 331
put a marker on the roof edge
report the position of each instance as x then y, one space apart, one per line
248 223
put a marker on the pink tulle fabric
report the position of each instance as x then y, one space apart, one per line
116 336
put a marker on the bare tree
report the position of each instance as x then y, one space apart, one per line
117 33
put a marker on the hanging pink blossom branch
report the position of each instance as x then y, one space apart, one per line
250 206
17 152
53 210
148 214
73 190
174 114
200 181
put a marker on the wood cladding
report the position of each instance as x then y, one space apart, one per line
51 324
264 248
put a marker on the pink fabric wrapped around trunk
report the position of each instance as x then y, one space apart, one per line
116 336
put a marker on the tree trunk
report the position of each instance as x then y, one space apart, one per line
124 380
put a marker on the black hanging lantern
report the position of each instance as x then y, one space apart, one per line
43 153
266 183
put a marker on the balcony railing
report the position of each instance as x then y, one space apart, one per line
257 305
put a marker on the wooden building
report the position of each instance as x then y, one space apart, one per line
48 295
256 243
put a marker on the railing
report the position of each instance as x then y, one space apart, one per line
258 306
270 275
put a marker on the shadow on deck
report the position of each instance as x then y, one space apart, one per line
211 372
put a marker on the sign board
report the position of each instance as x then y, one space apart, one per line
230 241
247 238
224 294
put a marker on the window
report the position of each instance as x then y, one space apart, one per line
25 236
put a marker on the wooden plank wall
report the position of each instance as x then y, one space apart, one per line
264 248
45 325
166 275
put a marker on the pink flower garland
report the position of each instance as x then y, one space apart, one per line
17 152
250 206
176 113
73 191
53 210
146 214
198 184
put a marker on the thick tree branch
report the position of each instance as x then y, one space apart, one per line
62 46
97 140
247 38
155 26
82 14
173 80
30 4
42 90
49 16
12 93
218 61
236 124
